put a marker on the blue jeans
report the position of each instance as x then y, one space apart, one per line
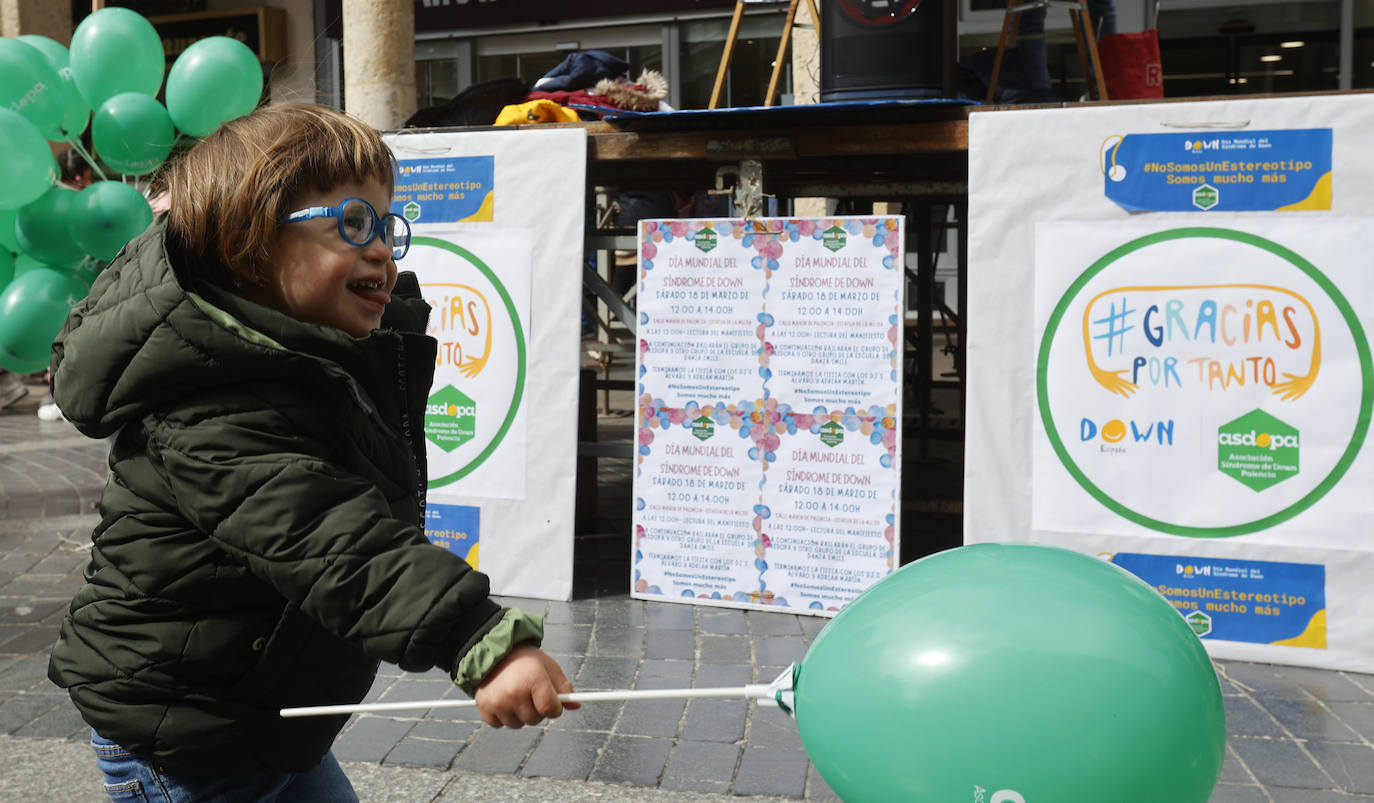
1031 50
130 778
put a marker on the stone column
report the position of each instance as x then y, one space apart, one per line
42 17
379 61
806 85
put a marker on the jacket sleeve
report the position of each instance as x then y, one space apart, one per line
324 538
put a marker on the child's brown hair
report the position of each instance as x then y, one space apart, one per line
228 191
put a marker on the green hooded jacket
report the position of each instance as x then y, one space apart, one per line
261 542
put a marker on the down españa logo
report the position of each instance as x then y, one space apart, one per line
450 418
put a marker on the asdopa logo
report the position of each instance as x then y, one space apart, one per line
450 418
1192 571
1198 145
1263 440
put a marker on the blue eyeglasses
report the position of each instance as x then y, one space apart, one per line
359 224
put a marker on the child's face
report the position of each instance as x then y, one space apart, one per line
317 276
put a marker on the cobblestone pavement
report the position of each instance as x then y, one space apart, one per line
1295 735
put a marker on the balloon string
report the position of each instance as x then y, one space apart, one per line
76 143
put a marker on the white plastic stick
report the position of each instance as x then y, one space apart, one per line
749 692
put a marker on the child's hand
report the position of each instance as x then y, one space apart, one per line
522 690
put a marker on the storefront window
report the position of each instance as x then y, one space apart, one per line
530 67
750 67
1246 49
436 82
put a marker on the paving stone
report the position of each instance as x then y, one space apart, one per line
664 674
721 676
563 754
1232 771
1308 719
499 750
625 642
1263 679
1245 718
370 738
715 720
444 730
660 718
701 766
769 771
577 612
1359 716
767 623
671 616
565 639
812 625
590 717
58 723
1329 686
769 726
622 614
26 674
1281 795
721 622
1280 761
631 760
726 649
406 690
31 611
602 673
817 789
1351 766
779 651
1233 793
677 644
416 752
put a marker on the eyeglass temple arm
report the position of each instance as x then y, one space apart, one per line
307 214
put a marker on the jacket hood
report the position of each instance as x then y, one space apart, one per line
146 337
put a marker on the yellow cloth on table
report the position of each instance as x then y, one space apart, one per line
536 111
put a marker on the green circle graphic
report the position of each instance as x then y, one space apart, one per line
1327 483
519 356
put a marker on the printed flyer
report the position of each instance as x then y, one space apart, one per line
769 399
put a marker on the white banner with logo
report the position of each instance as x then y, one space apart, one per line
769 399
496 218
1169 359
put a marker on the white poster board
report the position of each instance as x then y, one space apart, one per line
496 218
769 382
1169 363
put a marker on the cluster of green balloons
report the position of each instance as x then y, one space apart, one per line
53 240
1011 673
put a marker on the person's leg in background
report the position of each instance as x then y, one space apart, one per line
1031 66
11 389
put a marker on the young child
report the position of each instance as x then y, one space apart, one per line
263 387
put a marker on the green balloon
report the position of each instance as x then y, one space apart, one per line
132 133
27 168
6 267
107 215
44 228
75 111
8 242
23 263
1032 672
213 80
29 85
116 50
32 310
